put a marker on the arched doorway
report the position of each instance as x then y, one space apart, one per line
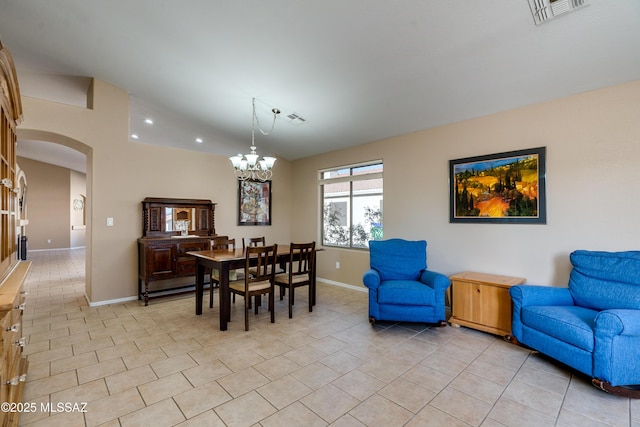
52 141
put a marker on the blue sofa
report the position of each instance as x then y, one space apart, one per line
593 325
400 286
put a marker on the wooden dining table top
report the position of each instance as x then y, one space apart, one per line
231 254
235 254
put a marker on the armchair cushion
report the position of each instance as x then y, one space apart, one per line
570 324
406 292
397 259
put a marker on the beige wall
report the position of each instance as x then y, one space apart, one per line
593 167
121 173
47 204
593 148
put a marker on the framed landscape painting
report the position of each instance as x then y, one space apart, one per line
499 188
254 203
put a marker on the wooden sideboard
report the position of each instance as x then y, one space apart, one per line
13 366
482 301
163 247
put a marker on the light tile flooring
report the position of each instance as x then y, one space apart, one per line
161 365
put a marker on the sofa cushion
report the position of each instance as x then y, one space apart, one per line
571 324
605 280
405 292
398 259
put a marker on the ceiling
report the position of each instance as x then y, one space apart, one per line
357 71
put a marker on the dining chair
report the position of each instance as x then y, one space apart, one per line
248 242
253 241
221 242
217 241
302 257
260 283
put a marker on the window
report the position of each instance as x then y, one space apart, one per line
352 205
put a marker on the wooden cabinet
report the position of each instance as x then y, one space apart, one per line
481 301
10 116
13 367
170 229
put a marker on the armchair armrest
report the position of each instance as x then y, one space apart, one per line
525 295
439 282
371 279
618 322
617 338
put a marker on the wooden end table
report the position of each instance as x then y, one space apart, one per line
481 301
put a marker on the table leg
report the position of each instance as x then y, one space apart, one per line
313 281
225 296
199 287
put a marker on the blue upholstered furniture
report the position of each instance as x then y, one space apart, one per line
400 286
593 325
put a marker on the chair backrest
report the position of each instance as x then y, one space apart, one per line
605 280
398 259
253 241
305 254
263 259
218 241
223 244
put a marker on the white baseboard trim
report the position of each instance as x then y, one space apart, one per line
107 302
55 249
343 285
127 299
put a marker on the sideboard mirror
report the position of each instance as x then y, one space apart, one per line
162 217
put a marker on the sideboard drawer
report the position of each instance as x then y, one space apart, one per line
183 248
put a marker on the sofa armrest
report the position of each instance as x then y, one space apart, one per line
529 295
439 282
618 322
371 279
526 295
617 339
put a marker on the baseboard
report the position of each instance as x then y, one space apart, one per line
342 285
127 299
107 302
55 249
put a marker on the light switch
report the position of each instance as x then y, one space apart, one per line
109 222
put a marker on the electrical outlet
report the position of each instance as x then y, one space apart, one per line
337 265
48 240
109 222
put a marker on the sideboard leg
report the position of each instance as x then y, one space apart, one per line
146 294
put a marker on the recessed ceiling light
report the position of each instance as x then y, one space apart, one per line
199 140
134 136
148 121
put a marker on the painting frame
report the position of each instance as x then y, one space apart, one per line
496 186
254 202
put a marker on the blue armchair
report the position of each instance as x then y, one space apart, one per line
400 286
593 325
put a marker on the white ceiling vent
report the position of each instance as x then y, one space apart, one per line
295 119
546 10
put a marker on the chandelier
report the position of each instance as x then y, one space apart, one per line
248 167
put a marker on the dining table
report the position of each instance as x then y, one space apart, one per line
226 260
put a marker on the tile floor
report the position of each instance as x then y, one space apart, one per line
161 365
